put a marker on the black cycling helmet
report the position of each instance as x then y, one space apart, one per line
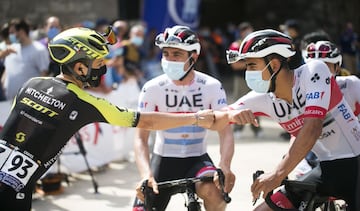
325 51
181 37
77 44
262 43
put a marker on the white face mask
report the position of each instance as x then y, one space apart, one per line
138 41
13 38
174 70
255 82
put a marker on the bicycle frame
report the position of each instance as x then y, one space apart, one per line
310 200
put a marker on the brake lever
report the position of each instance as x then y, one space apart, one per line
145 189
255 176
226 196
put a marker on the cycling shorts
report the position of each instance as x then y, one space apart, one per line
170 168
337 178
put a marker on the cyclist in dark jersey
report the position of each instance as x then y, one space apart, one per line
47 111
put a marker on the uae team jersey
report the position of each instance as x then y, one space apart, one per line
45 115
315 94
161 94
350 87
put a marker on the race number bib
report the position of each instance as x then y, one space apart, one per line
15 168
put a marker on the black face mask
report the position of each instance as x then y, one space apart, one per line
95 76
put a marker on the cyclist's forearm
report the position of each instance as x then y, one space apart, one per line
221 120
162 121
142 154
303 143
226 147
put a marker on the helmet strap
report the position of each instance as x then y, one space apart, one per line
337 70
192 63
274 75
81 78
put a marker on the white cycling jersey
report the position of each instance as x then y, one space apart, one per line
350 87
315 94
161 94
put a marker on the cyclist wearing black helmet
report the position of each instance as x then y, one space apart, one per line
47 111
308 104
181 152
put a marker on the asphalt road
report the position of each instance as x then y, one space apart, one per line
117 181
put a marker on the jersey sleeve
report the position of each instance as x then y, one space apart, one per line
219 100
110 113
147 97
320 87
355 93
256 102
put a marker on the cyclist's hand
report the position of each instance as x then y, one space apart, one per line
242 117
229 180
264 184
151 183
205 118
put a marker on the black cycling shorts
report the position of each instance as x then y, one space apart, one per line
17 201
337 178
169 168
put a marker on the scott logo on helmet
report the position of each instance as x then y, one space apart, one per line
80 46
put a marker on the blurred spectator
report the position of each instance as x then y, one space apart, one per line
239 85
349 42
151 63
101 25
245 28
30 60
120 28
292 28
52 28
125 95
4 51
132 51
209 54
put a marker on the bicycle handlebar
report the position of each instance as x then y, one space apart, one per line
183 182
148 192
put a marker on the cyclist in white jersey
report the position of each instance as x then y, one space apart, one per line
308 104
181 152
349 85
327 52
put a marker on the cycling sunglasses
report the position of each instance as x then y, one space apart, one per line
321 51
109 35
163 39
232 56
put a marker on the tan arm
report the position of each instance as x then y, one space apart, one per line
163 121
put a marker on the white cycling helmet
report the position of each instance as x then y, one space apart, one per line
262 43
324 51
181 37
